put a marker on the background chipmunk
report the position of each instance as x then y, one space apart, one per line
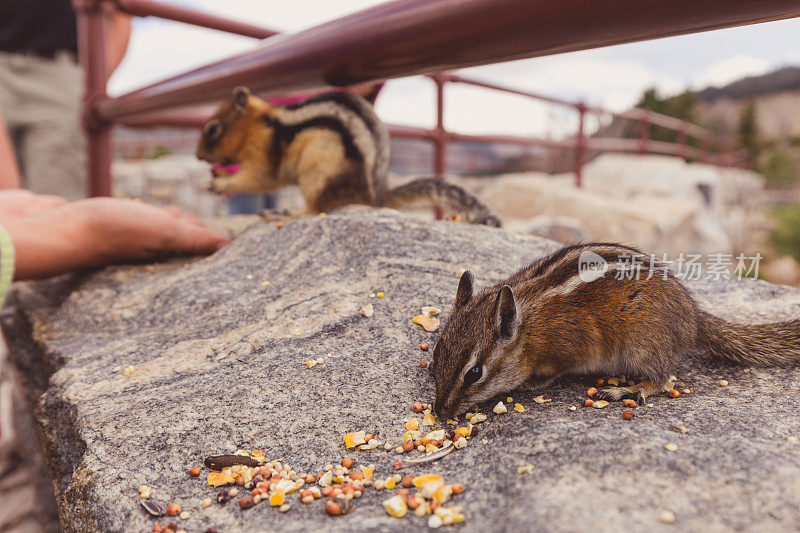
545 321
332 146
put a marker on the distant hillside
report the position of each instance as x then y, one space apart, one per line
784 79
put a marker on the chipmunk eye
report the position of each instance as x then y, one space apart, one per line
213 130
473 374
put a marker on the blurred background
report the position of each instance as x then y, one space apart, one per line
742 84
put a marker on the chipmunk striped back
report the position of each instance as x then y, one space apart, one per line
332 145
584 310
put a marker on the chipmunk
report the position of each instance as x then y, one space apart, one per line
332 145
550 319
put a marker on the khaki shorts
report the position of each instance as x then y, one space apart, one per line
40 102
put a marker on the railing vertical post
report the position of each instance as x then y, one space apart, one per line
707 142
91 16
580 144
644 131
683 139
440 137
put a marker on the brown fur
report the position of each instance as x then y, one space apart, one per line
543 323
316 158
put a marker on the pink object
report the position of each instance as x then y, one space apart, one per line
229 169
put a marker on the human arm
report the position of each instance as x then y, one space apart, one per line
100 231
9 171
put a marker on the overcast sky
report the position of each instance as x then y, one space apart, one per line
613 77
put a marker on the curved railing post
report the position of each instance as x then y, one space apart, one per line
440 137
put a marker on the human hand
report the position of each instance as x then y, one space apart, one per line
15 203
100 231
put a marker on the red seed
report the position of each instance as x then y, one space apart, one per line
408 480
194 472
591 392
398 464
424 346
457 488
599 382
418 407
173 509
673 393
423 364
408 445
333 508
627 402
246 502
627 414
588 403
348 462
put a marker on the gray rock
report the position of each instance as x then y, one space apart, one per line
219 365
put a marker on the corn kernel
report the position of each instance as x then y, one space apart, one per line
442 494
428 419
389 483
412 424
524 469
500 408
354 439
368 471
519 408
217 479
395 506
277 498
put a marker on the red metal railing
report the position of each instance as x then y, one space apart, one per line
396 39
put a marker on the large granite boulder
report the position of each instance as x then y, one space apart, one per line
218 359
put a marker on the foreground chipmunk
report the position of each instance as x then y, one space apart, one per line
545 321
332 146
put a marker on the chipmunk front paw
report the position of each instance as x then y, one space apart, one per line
616 394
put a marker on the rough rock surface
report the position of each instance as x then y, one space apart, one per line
219 365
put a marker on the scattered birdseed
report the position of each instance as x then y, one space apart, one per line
613 381
524 469
194 472
599 404
128 371
679 428
367 310
285 507
424 346
627 402
430 311
591 392
687 391
520 409
673 393
723 383
354 439
265 283
184 515
152 507
627 414
380 294
311 364
423 364
500 408
667 517
572 408
671 447
428 324
144 492
395 506
320 361
206 503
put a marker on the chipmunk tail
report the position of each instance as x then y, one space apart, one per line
771 344
444 194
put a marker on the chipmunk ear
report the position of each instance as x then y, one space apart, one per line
504 314
240 97
464 293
